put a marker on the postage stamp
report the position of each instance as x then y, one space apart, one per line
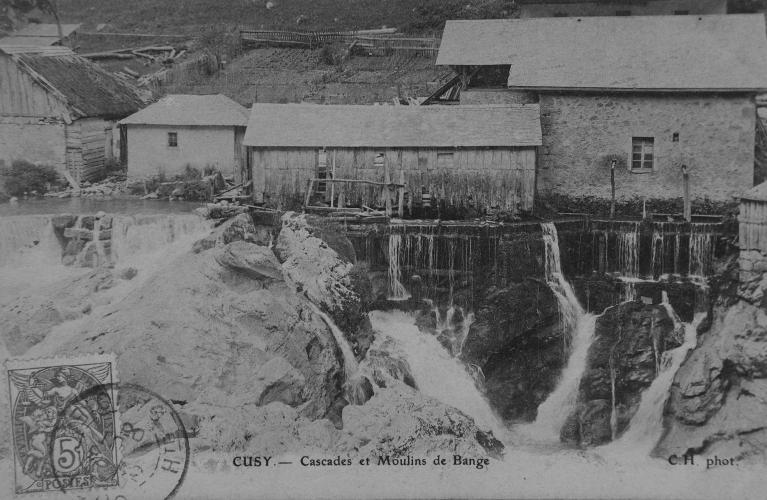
60 439
152 444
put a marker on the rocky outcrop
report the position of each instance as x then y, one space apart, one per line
623 360
517 341
313 267
239 228
396 422
718 401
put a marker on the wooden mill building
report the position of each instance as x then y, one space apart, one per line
474 156
61 109
653 93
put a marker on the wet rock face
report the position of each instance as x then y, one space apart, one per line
313 267
255 261
517 341
629 342
718 401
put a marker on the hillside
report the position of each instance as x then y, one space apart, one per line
183 16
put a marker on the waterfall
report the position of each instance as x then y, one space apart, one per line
570 310
397 290
553 412
350 362
628 251
136 235
646 427
28 241
437 374
701 250
657 251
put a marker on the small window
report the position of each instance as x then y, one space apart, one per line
622 12
642 154
378 161
172 139
681 12
445 160
675 137
322 170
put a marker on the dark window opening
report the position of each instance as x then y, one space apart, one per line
675 137
622 12
681 12
172 139
642 154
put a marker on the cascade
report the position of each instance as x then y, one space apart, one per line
570 309
628 251
437 374
701 250
657 250
397 290
28 240
646 426
135 235
553 412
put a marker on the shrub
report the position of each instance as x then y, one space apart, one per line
430 15
24 177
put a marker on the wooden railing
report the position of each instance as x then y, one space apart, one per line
337 202
378 44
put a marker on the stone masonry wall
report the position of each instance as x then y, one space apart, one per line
601 8
715 140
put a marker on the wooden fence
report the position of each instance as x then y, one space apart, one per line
372 44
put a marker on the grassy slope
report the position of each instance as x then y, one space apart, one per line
173 15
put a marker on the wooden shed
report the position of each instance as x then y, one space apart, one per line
60 109
482 157
752 239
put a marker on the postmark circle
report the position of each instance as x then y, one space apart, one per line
146 456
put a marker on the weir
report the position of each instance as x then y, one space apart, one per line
451 262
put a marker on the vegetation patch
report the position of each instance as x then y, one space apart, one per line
26 178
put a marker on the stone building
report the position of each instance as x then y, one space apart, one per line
60 109
653 93
581 8
481 157
198 131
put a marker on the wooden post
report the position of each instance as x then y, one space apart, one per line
612 187
309 192
387 192
401 193
686 190
333 176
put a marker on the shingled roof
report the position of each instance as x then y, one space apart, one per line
86 88
317 125
191 110
665 53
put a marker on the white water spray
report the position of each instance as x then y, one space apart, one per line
646 427
437 374
397 290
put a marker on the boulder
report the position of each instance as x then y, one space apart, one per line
400 421
518 342
257 262
719 396
239 228
63 221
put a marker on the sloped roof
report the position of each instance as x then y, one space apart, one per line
317 125
87 89
757 193
191 110
38 34
44 50
713 53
